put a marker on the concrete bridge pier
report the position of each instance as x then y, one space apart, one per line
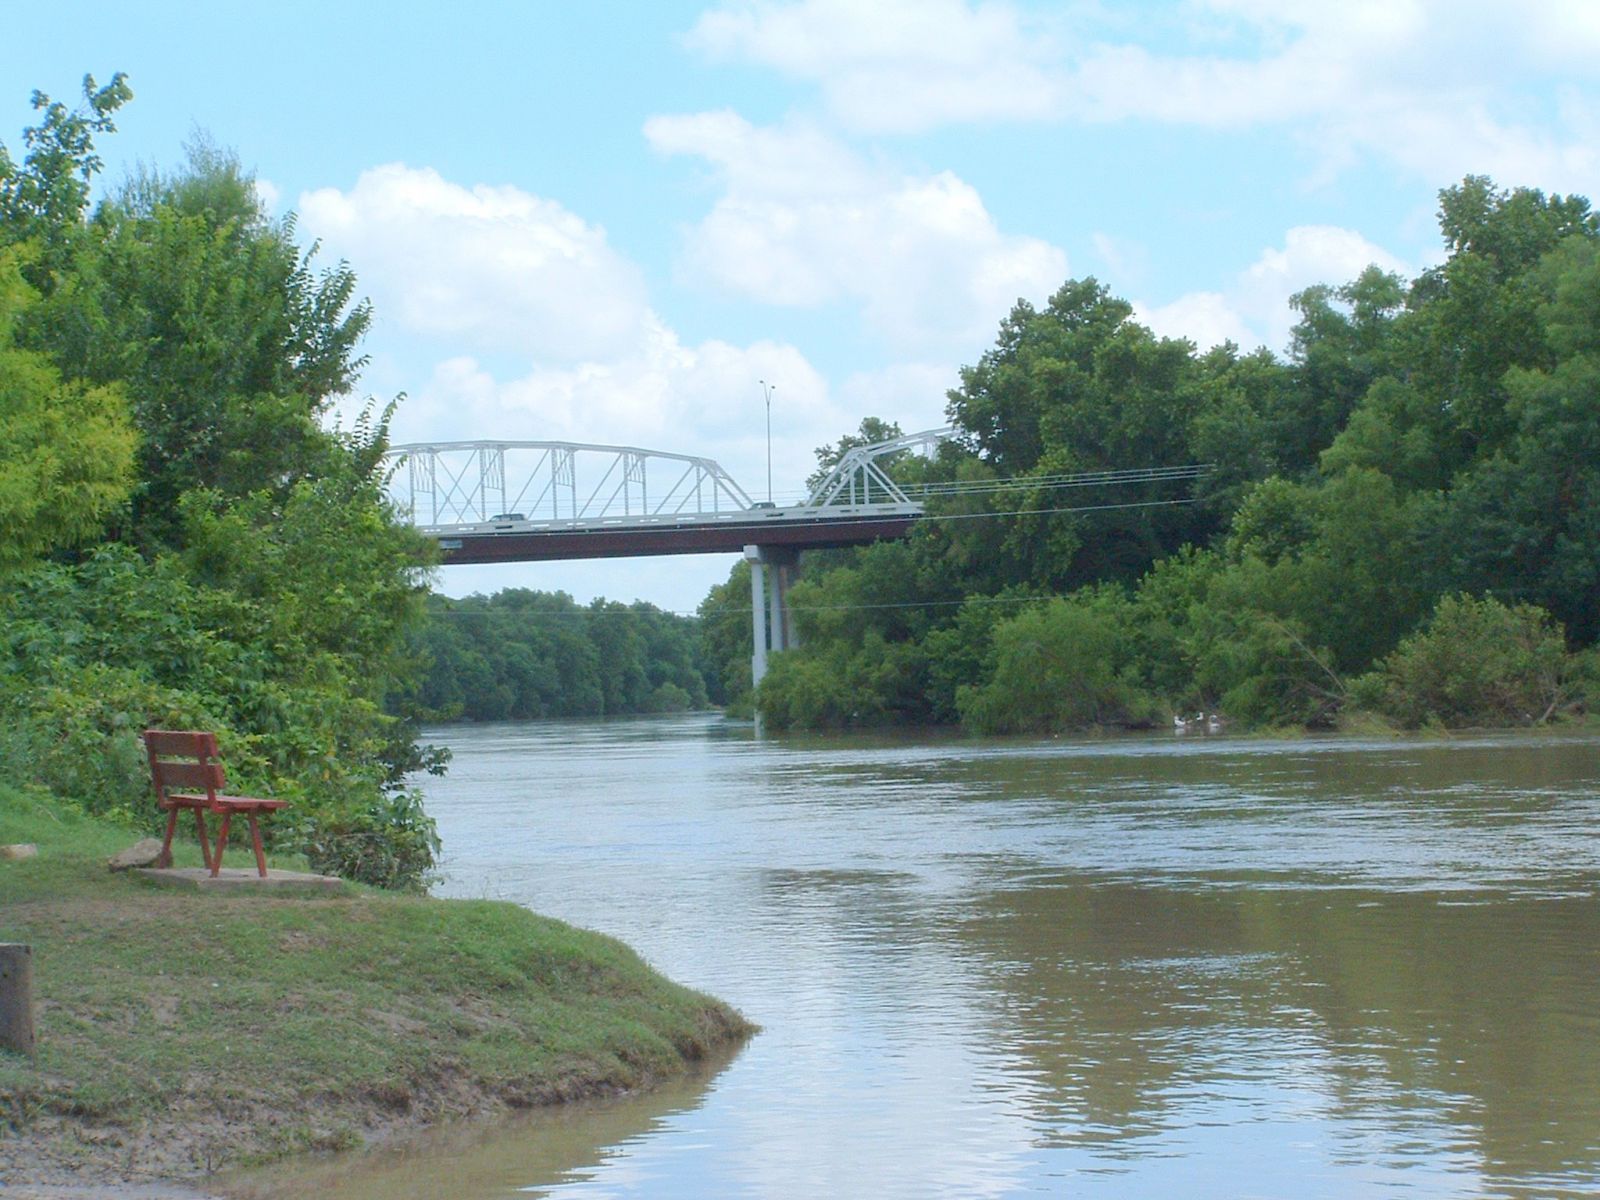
771 571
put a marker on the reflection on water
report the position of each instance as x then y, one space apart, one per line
563 1144
1124 968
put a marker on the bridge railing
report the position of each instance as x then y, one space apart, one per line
467 483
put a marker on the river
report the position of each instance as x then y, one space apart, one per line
1164 967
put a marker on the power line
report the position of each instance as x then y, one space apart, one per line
1026 483
1030 512
523 615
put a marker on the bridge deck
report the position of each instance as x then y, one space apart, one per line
624 537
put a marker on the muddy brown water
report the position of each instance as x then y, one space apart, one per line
1197 967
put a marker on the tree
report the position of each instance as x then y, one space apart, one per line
1343 342
255 577
1078 387
1067 664
66 449
1420 440
229 346
871 431
43 199
1525 521
727 639
1476 662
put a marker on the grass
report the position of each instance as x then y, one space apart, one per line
181 1033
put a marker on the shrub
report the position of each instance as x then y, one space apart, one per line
91 654
1477 662
1065 665
390 843
78 735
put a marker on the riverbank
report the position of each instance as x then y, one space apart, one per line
180 1034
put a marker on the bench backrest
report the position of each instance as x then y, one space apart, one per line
183 760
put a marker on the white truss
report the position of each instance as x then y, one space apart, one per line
473 483
858 479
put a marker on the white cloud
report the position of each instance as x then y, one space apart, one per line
702 400
913 394
1254 310
492 267
268 195
478 272
1205 318
803 221
894 65
1439 88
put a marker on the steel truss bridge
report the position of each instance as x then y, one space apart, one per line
497 501
500 501
516 501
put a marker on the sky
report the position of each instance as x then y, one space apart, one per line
608 222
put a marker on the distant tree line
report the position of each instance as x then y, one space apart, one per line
522 654
1400 518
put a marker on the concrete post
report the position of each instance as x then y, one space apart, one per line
16 997
791 635
758 614
775 599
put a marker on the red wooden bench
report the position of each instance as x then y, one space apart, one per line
188 759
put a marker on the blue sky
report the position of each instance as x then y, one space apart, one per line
606 221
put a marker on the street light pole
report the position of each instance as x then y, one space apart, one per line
767 389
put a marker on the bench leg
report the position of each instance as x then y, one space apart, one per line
255 840
200 832
166 843
222 840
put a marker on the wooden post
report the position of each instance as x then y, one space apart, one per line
16 997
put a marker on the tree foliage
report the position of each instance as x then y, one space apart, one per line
1419 441
522 654
187 541
1476 662
66 460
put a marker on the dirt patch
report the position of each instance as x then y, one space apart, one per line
164 1010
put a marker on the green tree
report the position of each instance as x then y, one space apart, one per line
521 654
1067 664
273 582
43 198
727 640
1525 520
228 344
1476 662
66 449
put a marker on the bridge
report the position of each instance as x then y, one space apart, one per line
515 501
520 501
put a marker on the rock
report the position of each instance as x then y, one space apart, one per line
143 853
18 850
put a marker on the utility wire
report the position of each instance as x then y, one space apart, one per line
1030 512
523 615
1049 482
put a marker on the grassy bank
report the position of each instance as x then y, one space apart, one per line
180 1033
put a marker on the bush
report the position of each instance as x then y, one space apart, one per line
92 654
669 698
392 843
78 736
1476 662
1065 665
876 683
